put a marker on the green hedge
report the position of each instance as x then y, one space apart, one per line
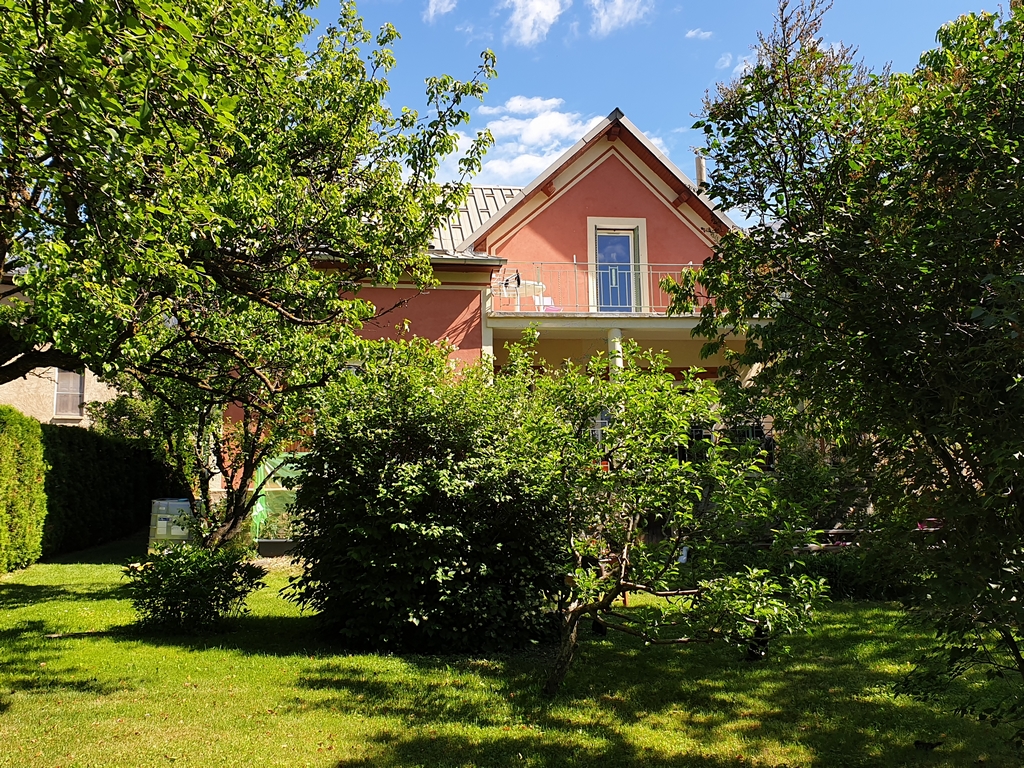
65 488
97 488
22 500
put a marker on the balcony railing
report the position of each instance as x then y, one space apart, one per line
547 287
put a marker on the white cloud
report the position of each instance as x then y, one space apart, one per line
529 135
543 131
698 33
531 105
522 105
610 15
743 64
517 170
530 20
725 61
471 33
660 144
437 8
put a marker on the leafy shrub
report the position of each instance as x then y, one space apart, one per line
98 488
827 480
188 588
424 517
860 573
22 501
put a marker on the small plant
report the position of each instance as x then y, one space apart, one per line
190 588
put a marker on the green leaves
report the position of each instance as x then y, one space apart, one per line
426 512
22 495
191 589
193 202
186 159
884 268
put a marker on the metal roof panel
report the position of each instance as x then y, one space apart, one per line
481 204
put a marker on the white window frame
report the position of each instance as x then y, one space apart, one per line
57 392
596 224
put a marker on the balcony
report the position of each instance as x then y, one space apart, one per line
544 288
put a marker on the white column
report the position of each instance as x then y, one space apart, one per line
486 332
615 347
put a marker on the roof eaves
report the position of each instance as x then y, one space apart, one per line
468 258
674 169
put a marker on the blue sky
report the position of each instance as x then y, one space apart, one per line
562 64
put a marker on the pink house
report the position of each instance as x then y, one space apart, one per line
580 252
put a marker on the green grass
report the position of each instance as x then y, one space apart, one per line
79 688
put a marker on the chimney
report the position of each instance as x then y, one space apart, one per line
702 171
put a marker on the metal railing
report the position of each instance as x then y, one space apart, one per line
583 288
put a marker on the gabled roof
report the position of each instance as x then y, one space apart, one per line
616 126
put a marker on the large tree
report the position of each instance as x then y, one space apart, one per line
169 166
220 427
880 290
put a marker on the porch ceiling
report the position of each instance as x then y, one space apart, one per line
566 325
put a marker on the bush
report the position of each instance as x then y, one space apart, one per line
424 518
829 481
22 500
98 488
188 588
869 572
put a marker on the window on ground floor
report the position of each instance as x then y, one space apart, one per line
70 402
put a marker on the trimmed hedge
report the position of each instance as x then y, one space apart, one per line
22 500
97 488
65 488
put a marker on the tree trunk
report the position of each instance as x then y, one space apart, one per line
236 512
17 359
566 654
1011 645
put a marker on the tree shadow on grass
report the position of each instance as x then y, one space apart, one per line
826 703
255 635
831 706
14 595
435 695
117 552
447 750
31 662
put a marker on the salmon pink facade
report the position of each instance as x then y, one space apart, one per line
580 253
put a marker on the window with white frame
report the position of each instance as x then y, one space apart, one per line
617 254
70 401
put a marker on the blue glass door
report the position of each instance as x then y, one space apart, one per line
615 272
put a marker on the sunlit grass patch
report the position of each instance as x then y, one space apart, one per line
79 687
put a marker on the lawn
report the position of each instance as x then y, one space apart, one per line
79 688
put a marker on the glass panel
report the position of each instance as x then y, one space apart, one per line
70 393
615 272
